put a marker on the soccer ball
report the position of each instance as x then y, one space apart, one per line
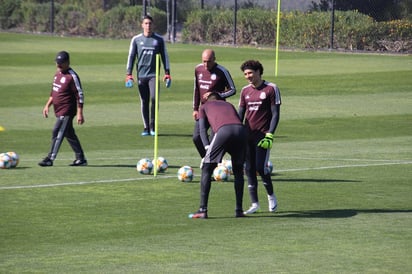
185 174
228 165
144 166
221 173
5 161
14 158
161 164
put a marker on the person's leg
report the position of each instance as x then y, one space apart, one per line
144 93
74 142
152 89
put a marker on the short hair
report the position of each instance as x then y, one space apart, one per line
146 16
214 96
253 65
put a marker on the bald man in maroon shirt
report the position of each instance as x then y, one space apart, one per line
229 136
209 77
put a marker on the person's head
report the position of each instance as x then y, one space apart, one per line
214 96
208 58
252 71
147 23
62 60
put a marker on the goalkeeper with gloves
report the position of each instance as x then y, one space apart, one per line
143 50
259 108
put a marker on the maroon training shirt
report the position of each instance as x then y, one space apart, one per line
258 102
219 113
218 80
67 93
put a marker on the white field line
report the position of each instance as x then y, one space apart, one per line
170 176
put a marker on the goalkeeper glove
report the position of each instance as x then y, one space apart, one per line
266 143
129 81
168 80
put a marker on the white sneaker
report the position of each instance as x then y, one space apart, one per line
272 203
252 209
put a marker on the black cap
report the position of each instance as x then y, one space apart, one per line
62 57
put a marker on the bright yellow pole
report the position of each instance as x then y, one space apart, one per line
156 114
277 39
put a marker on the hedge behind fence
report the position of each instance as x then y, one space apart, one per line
353 30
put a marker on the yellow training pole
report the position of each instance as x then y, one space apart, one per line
277 39
156 114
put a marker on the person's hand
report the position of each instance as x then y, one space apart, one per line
266 143
206 95
80 119
195 114
168 80
129 81
45 112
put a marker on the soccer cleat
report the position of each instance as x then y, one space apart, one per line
79 163
252 209
272 203
239 214
46 162
152 132
200 214
145 133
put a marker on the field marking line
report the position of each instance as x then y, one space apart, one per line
170 176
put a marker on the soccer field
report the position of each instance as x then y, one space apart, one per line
342 156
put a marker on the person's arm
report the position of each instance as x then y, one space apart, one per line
203 127
79 115
241 113
131 57
230 85
165 58
275 118
196 98
47 106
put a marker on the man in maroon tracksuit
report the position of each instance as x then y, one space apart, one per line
209 77
67 99
229 136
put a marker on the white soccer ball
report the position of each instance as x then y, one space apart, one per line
14 158
5 161
161 164
221 173
144 166
228 164
185 174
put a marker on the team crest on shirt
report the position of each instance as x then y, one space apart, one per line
262 96
213 76
63 80
155 42
200 75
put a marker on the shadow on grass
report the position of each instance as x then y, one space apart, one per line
333 213
276 180
327 213
174 135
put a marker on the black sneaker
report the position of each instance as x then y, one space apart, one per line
46 162
79 163
200 214
239 214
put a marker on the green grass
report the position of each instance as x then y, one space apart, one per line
342 156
